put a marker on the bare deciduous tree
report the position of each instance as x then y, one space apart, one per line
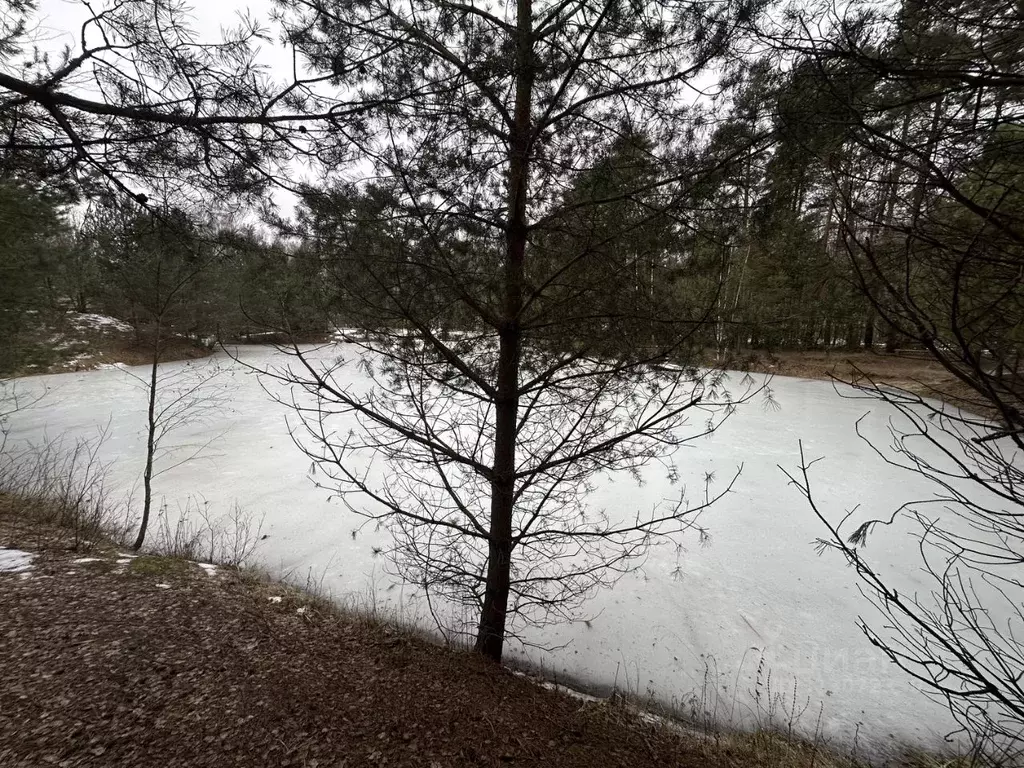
156 259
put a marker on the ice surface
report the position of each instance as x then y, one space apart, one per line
692 627
15 561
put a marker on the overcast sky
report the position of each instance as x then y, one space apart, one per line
60 22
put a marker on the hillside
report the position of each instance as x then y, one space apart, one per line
82 341
115 660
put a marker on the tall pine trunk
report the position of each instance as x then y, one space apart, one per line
490 640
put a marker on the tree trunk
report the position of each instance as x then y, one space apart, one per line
852 340
869 332
151 425
891 340
490 638
828 334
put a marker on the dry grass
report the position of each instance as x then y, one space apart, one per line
129 353
903 369
107 350
60 485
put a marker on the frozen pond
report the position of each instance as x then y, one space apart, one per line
699 626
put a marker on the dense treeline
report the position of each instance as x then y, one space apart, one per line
889 209
858 187
855 184
165 271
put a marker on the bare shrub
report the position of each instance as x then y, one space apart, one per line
195 532
63 482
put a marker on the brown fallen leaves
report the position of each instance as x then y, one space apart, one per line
99 666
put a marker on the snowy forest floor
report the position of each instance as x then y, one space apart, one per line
111 659
80 341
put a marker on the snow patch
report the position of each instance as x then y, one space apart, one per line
164 586
345 334
15 561
78 360
86 560
275 599
66 344
98 322
210 568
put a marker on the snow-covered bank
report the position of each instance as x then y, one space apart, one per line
691 627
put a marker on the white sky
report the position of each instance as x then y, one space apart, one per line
60 22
